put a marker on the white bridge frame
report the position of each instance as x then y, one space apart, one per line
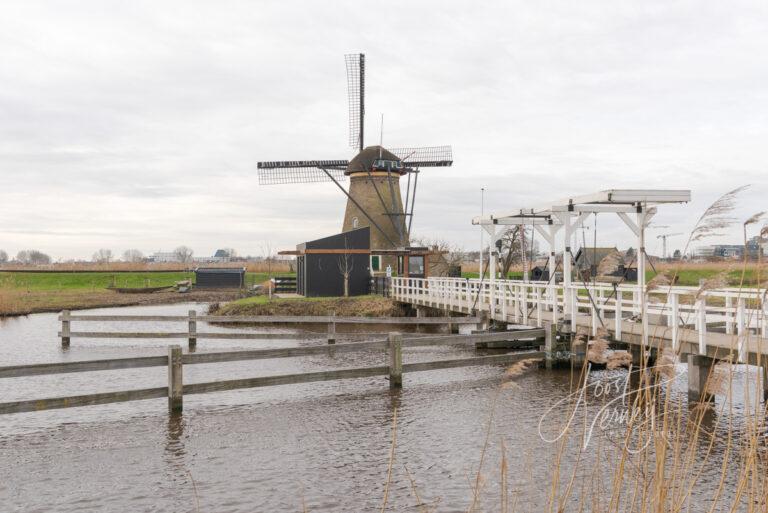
520 300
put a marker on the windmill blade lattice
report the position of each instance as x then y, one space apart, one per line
356 92
425 156
300 171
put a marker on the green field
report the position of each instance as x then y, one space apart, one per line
94 281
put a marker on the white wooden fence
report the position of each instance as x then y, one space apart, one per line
738 312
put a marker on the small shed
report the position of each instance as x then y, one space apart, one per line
325 266
540 270
588 259
218 278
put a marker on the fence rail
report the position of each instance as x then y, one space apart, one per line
192 318
176 360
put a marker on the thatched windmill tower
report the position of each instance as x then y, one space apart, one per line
374 197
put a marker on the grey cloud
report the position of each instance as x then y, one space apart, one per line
139 124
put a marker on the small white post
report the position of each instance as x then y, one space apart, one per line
701 312
504 299
741 328
555 303
619 314
593 310
641 222
600 302
538 307
740 316
728 315
524 292
675 321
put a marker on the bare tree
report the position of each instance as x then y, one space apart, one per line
133 255
183 254
266 251
33 257
3 257
516 247
346 266
231 252
451 253
102 256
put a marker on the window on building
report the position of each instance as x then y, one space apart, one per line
355 222
375 263
416 265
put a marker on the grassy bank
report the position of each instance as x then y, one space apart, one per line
59 281
30 292
364 306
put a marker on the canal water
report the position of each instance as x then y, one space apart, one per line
315 447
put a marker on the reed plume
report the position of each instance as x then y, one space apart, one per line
716 218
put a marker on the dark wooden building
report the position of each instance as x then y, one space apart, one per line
218 278
325 266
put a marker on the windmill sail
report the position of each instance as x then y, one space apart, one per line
356 93
425 156
300 171
311 171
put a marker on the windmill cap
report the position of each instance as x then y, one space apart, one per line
370 160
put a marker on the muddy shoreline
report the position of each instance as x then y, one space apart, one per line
26 303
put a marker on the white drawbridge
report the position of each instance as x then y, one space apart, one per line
690 321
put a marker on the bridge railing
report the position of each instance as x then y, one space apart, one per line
736 311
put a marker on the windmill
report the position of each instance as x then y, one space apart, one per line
374 197
663 238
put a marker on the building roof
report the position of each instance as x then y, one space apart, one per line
586 257
363 161
227 270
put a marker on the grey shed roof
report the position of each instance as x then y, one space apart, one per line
587 257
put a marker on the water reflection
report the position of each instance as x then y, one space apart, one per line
252 450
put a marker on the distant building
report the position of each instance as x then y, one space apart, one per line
220 256
733 251
163 257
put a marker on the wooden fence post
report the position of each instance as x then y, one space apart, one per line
175 382
395 360
65 329
331 328
192 330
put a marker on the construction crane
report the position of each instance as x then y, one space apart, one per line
663 238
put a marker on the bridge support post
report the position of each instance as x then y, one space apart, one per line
484 322
192 340
65 329
550 337
395 360
700 369
175 381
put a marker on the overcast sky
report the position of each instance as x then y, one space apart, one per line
139 124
